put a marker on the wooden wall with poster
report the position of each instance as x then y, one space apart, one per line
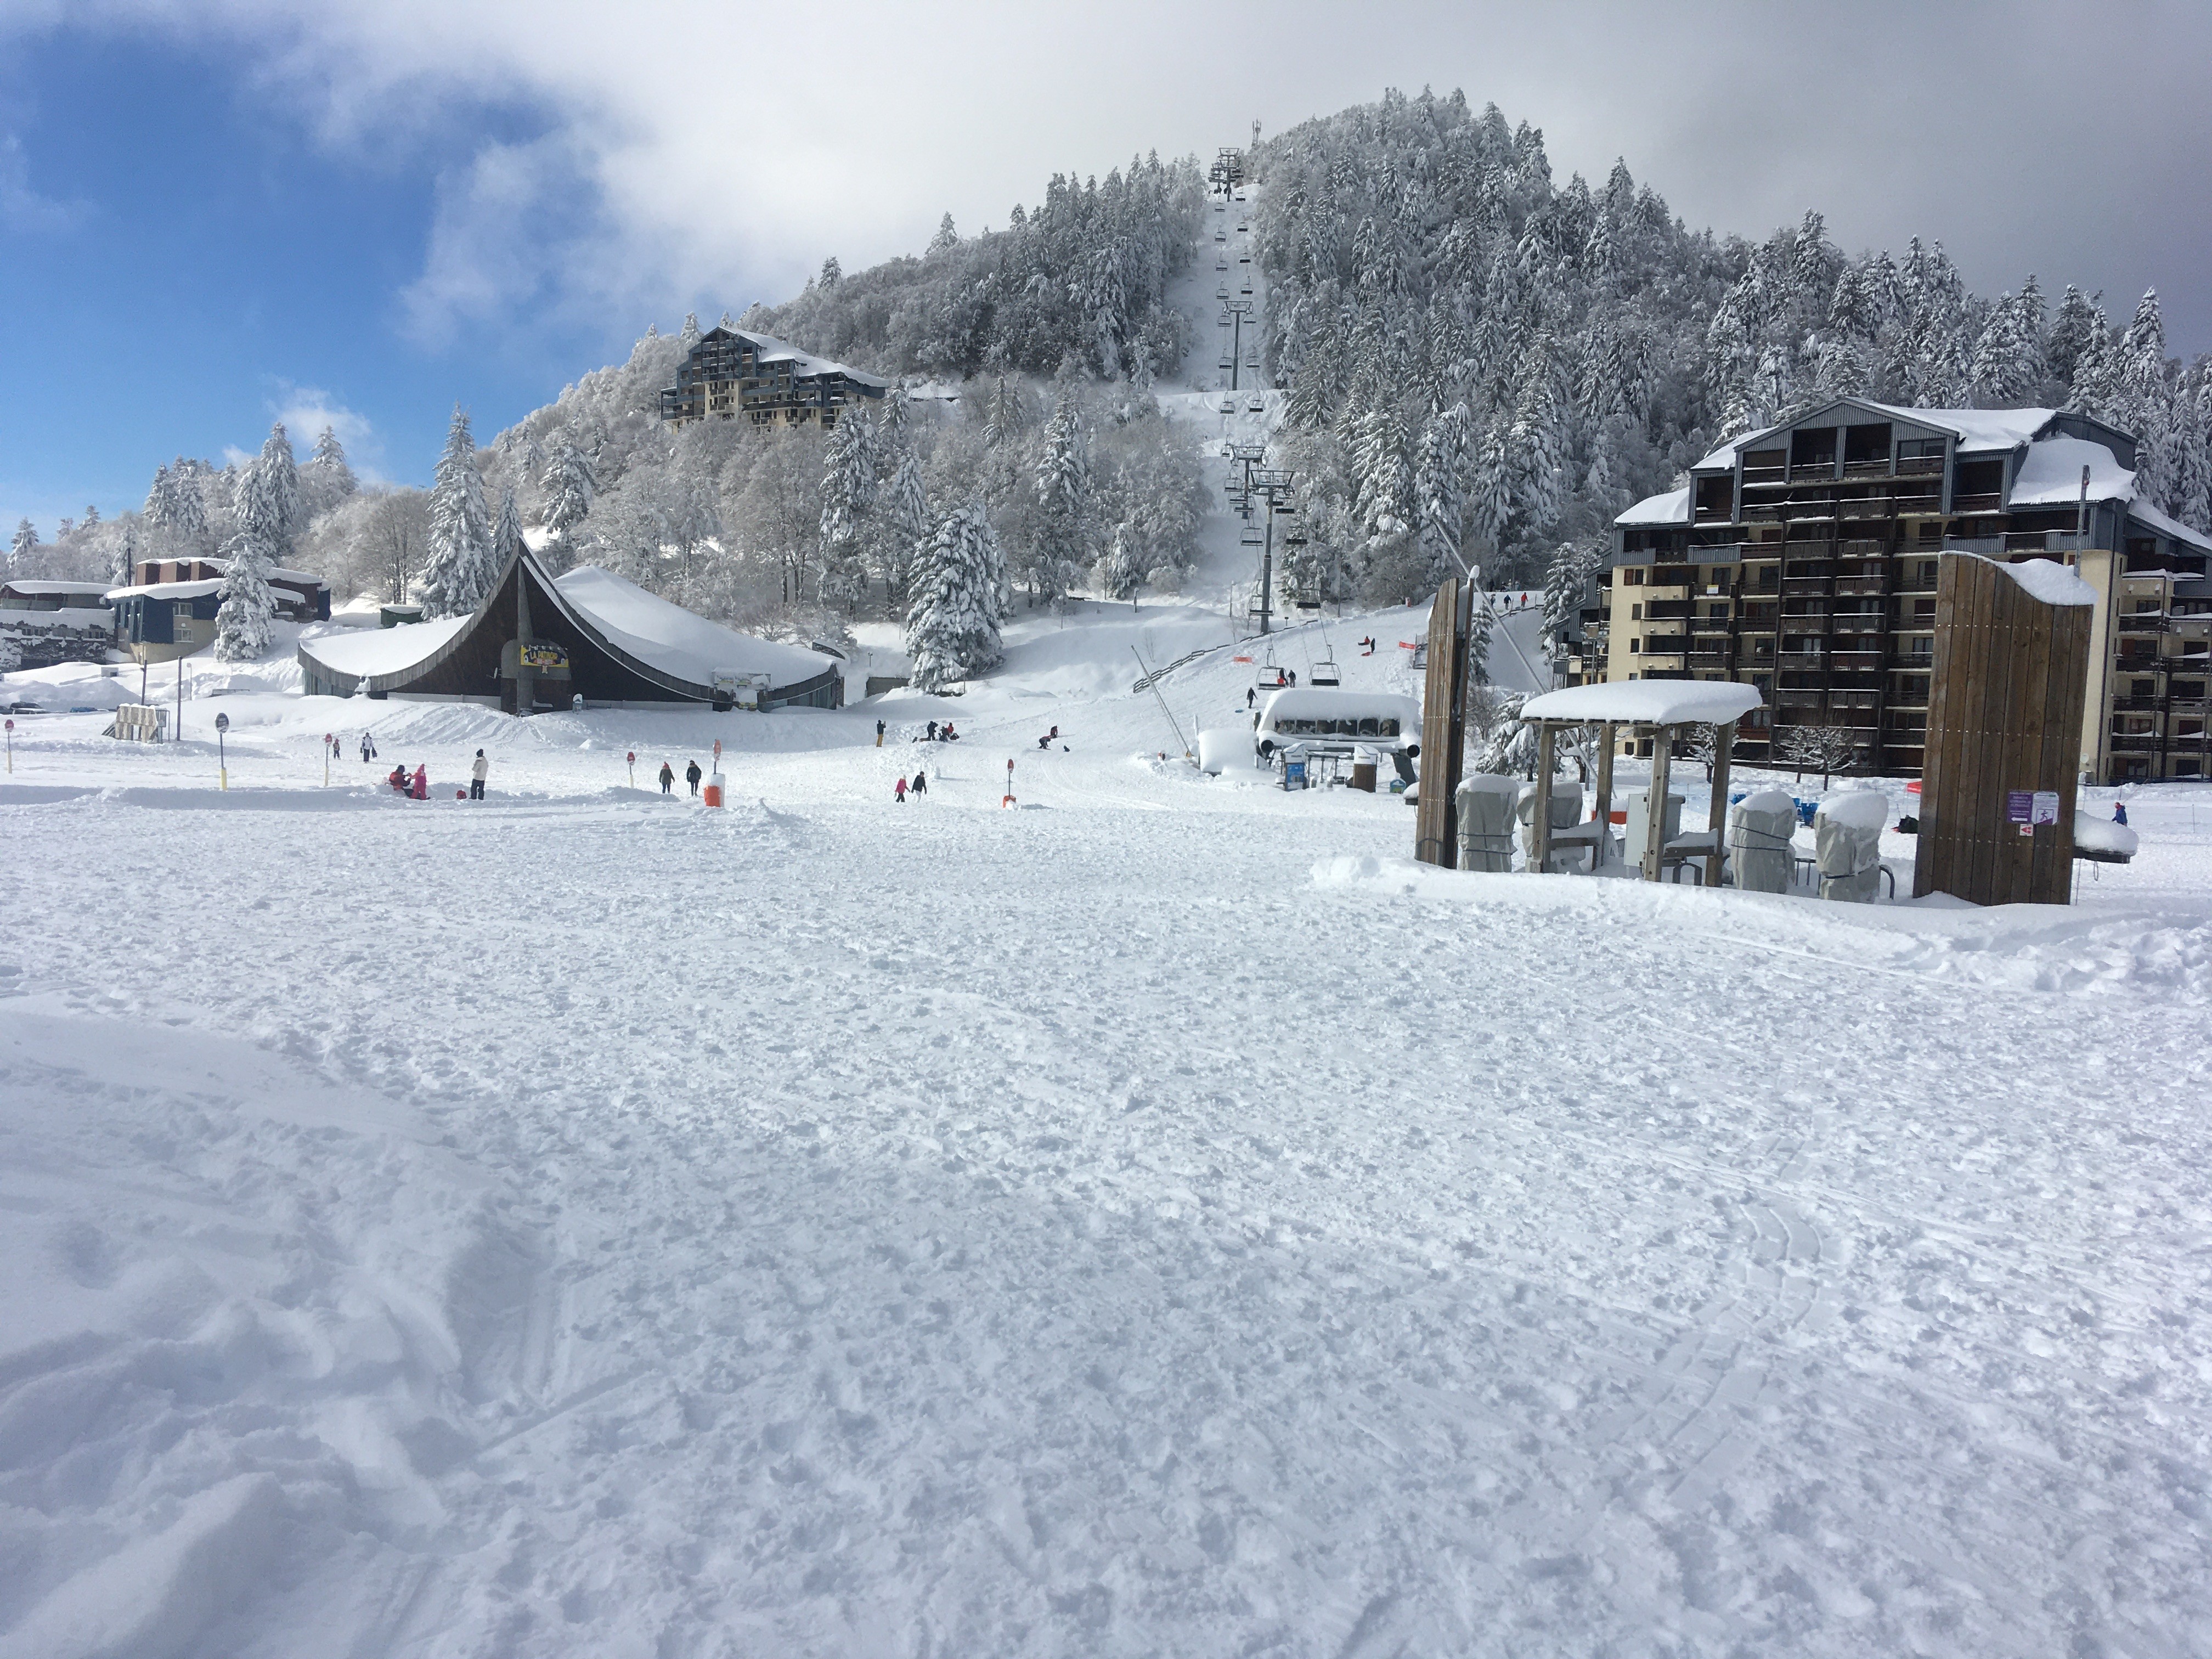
2004 727
1443 725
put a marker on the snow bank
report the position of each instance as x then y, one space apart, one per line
1654 702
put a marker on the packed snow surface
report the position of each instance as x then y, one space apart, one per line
1655 702
1161 1219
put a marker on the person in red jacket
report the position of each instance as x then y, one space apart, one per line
420 788
398 778
898 792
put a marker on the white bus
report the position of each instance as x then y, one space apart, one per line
1336 722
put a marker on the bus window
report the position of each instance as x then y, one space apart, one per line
1370 726
1390 729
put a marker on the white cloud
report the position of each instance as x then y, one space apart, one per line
715 150
306 410
22 208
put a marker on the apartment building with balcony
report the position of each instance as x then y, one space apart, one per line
730 373
1802 559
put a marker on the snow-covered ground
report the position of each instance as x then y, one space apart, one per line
1157 1220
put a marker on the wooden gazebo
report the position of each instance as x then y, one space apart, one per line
1661 709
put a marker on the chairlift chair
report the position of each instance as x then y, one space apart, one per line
1268 677
1324 671
1229 405
1221 293
1257 406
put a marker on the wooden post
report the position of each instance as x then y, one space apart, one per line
1655 837
1723 740
1607 735
1443 727
1547 739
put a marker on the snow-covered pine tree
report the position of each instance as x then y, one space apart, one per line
22 547
1063 495
1480 626
952 624
505 535
458 571
1122 570
1439 494
279 486
1566 580
2078 320
123 568
241 622
333 477
1491 503
946 239
176 505
848 500
1384 502
568 486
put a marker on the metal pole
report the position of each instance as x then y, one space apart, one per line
1547 758
1267 565
1606 739
1655 836
1155 686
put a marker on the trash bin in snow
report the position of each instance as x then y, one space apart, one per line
714 788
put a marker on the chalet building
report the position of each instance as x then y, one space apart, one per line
543 643
1801 560
730 373
170 610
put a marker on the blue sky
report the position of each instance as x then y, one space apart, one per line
213 212
191 269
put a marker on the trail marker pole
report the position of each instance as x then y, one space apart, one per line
223 758
1007 799
630 760
330 747
11 749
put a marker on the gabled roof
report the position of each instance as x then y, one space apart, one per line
1974 428
1673 507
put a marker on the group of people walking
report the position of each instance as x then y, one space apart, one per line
901 789
691 775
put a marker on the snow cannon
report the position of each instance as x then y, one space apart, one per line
713 788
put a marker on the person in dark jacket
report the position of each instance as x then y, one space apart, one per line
920 783
2119 811
667 777
932 737
692 774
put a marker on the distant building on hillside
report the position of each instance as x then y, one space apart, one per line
730 373
1802 559
170 610
52 621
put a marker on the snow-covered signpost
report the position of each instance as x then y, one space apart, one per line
630 759
1007 799
223 756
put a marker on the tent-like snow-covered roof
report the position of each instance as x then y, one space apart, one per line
375 652
673 640
1647 702
1673 507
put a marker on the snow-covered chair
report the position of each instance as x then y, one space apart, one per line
1566 817
1847 842
1760 826
1486 821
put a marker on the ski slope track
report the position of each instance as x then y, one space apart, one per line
1161 1219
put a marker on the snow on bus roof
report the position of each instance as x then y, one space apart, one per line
1647 702
672 639
1327 702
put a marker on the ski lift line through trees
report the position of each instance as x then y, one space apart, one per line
1234 312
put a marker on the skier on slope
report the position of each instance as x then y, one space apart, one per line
691 775
479 769
667 777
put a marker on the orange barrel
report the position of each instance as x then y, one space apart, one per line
713 788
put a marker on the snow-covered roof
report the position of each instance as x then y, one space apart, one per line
770 349
672 639
1647 702
1974 428
1673 507
2050 474
2047 579
166 590
2144 514
24 587
379 651
1321 703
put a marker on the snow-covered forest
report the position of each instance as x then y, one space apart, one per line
1470 346
1480 364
